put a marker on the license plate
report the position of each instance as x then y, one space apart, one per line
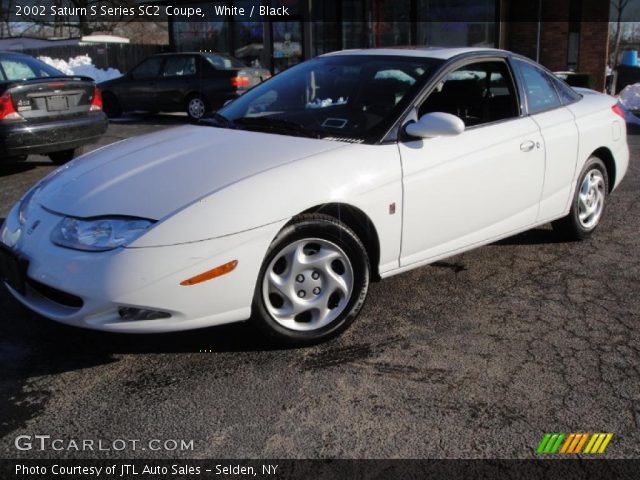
13 270
57 103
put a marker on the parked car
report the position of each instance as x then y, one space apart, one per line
44 111
195 83
347 168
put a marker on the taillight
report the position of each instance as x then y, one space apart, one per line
240 82
618 110
96 104
7 111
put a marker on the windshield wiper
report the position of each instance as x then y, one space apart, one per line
217 120
276 125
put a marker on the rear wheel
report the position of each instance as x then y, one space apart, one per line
197 107
111 105
313 282
588 202
62 157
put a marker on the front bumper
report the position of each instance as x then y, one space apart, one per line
140 278
24 138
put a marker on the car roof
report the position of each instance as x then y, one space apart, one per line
443 53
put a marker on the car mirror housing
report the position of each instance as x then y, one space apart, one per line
436 124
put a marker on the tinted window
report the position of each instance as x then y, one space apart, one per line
541 93
478 93
150 68
179 66
25 68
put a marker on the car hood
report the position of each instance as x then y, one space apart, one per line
153 176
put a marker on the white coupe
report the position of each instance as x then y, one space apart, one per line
283 206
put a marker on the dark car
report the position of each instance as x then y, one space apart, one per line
195 83
44 111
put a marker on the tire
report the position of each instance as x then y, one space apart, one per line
588 203
288 290
111 105
62 157
197 107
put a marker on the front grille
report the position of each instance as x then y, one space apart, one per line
55 295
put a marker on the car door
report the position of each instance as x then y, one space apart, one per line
178 77
560 133
138 92
484 183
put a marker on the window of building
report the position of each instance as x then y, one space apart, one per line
478 93
476 27
539 87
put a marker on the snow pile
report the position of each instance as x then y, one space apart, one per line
82 65
629 100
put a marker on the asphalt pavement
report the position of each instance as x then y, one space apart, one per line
477 356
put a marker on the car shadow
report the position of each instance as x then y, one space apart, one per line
537 236
14 168
32 346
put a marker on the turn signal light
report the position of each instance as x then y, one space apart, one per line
96 103
7 110
211 274
240 82
617 110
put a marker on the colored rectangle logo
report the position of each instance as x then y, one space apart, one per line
573 443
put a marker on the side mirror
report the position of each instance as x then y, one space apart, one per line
436 124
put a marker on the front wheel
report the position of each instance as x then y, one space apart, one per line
588 204
313 281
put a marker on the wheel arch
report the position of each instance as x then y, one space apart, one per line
361 224
604 154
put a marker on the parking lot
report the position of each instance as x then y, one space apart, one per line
476 356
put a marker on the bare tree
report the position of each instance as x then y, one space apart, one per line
619 7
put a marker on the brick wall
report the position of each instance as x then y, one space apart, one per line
521 37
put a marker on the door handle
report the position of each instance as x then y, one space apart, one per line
527 146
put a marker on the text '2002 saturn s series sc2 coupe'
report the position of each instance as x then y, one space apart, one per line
282 207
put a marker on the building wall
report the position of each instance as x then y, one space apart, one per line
553 50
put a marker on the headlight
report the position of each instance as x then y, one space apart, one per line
100 234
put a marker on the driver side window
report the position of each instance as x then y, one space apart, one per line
478 93
148 69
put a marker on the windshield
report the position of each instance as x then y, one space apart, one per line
347 97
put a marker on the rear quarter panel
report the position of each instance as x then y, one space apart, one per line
599 126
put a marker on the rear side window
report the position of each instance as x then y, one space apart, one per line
539 87
148 69
220 62
179 67
567 94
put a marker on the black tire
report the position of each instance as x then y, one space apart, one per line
328 229
571 227
62 157
202 109
111 105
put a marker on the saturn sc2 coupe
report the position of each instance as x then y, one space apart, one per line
284 205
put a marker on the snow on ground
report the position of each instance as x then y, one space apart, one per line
82 65
629 100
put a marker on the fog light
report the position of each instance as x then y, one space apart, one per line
127 313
